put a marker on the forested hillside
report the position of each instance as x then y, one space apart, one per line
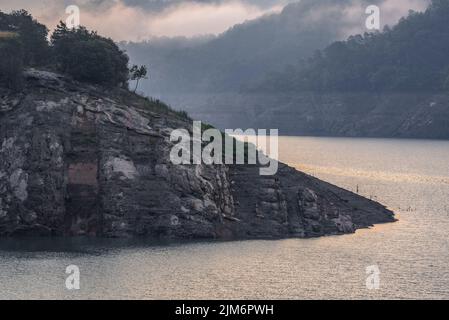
411 56
393 83
245 53
79 53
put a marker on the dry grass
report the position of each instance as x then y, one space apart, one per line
7 34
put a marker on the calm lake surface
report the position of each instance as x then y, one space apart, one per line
411 177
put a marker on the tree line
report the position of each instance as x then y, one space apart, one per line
411 56
82 54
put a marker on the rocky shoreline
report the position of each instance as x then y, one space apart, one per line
82 160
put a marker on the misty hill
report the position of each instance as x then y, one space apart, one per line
387 84
245 53
411 56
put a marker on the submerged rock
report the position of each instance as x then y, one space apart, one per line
79 160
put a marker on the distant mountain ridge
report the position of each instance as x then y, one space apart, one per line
393 83
349 114
244 54
410 56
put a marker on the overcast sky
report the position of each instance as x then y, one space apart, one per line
140 19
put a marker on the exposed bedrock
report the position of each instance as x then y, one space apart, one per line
76 160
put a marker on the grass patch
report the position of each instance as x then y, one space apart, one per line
151 104
8 35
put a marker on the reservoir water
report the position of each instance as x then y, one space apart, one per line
411 177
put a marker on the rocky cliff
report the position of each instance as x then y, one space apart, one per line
82 160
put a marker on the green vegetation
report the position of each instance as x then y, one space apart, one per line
148 103
23 43
159 107
79 53
238 145
88 57
32 35
11 61
138 73
411 56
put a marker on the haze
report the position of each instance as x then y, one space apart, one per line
136 20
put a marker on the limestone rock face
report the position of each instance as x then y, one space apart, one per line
79 160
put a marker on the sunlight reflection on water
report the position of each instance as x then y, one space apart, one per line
408 176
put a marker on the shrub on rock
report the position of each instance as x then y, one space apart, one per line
11 60
88 57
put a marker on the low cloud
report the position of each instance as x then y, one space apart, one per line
193 18
139 20
348 16
136 20
391 11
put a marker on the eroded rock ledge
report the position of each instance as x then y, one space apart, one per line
76 160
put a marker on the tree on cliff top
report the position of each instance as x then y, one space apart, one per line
32 36
410 56
23 43
88 57
11 60
138 73
80 53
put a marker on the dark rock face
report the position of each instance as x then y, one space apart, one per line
78 161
